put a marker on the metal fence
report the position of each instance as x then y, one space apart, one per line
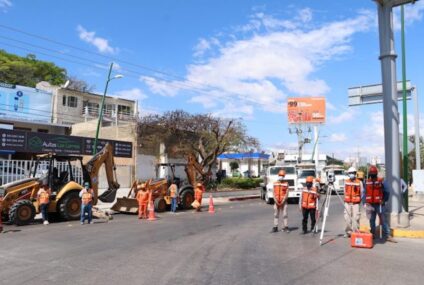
12 170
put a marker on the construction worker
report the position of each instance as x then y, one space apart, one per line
281 192
43 198
308 204
352 199
198 194
173 194
375 198
86 195
143 199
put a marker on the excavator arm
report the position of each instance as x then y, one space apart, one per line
105 156
192 168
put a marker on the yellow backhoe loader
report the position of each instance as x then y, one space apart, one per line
19 205
159 189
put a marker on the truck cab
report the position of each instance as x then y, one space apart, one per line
271 175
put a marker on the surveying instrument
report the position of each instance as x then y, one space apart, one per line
326 203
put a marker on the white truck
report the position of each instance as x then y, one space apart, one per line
339 178
267 191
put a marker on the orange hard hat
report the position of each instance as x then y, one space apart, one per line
199 185
282 172
310 179
373 170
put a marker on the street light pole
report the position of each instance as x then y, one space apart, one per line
101 106
405 119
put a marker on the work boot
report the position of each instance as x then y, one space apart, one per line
274 230
304 232
286 230
46 222
390 239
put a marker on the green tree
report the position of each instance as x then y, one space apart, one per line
28 71
234 165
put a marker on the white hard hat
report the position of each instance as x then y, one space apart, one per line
351 170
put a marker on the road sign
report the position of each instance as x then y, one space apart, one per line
373 94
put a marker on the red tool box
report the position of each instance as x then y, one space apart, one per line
363 240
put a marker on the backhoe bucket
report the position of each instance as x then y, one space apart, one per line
126 205
108 196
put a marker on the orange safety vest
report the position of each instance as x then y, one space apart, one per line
198 195
280 190
309 198
87 196
352 191
44 197
374 192
142 197
173 191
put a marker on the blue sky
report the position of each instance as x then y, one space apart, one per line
231 58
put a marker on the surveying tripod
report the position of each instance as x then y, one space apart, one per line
326 205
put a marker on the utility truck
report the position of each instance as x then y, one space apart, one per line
271 175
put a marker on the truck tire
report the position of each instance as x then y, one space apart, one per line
187 197
160 205
70 206
22 213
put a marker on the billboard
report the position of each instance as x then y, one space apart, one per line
306 110
31 142
25 103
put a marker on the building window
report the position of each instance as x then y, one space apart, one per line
72 101
124 110
42 131
108 109
93 108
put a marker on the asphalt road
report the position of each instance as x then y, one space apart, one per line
233 246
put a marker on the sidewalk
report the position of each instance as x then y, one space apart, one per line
416 220
219 197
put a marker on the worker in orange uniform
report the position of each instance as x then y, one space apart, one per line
173 194
352 200
198 194
43 198
142 199
308 204
86 195
1 213
376 197
281 193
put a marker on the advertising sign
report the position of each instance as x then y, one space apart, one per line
307 110
25 103
31 142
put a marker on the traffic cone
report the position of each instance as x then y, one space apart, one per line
211 206
152 216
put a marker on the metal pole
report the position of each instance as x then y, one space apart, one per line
390 106
417 130
315 153
101 111
404 113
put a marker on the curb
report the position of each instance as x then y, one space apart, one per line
400 233
244 198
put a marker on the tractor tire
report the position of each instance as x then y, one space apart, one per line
160 205
187 197
70 206
22 213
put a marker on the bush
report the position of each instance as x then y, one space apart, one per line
241 183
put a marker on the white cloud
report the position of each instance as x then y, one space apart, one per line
413 13
345 116
337 137
257 71
131 94
101 44
5 4
160 87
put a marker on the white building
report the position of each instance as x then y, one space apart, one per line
251 162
